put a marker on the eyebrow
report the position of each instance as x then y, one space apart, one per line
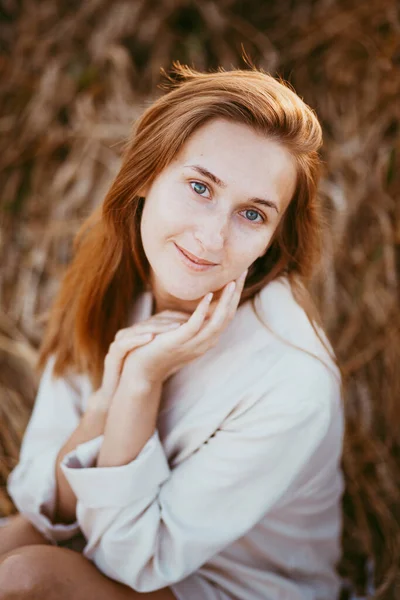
206 173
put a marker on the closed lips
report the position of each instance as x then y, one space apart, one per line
194 258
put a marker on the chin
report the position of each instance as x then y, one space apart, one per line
174 280
185 292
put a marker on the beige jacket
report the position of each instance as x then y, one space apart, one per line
237 493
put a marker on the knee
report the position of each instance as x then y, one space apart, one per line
24 574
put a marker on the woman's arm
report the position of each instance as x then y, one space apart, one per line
90 426
56 413
36 484
130 424
148 526
93 421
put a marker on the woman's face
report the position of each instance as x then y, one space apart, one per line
221 200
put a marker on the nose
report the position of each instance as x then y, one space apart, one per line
211 233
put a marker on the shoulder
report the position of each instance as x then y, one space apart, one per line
294 382
283 323
298 377
282 312
71 386
272 340
297 373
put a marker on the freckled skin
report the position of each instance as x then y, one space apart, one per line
217 224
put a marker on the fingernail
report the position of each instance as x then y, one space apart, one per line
208 298
174 325
244 274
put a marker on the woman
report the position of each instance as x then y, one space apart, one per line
191 445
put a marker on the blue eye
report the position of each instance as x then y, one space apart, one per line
201 188
255 213
196 185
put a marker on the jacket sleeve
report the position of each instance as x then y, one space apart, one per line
148 526
32 483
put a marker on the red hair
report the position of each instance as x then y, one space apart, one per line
109 267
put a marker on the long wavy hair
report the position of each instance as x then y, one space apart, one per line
109 267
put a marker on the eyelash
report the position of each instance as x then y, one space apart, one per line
254 210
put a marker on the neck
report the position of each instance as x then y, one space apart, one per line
164 301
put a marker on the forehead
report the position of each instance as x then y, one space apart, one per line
244 159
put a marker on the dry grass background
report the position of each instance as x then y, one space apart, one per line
73 77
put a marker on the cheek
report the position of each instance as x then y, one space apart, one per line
164 217
248 246
242 254
264 241
175 217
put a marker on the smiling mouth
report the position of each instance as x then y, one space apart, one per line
195 259
191 264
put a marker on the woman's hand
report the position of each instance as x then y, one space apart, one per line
154 362
125 341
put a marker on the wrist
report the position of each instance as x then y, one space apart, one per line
131 421
136 388
144 398
97 403
93 420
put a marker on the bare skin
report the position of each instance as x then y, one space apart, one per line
33 569
17 533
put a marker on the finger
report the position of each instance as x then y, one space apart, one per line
220 315
114 360
220 306
173 314
152 328
150 325
237 294
208 326
226 308
119 349
192 326
129 342
199 316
